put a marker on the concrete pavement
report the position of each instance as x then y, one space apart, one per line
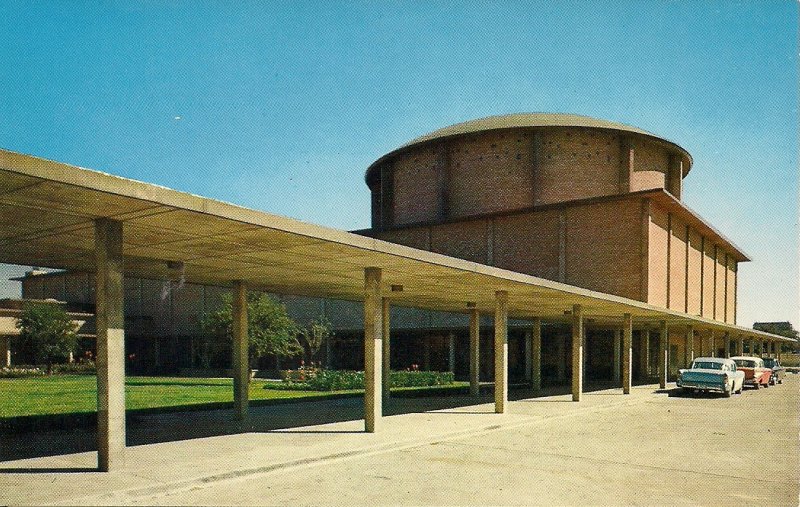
609 449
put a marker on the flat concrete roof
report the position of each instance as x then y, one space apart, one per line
46 219
530 120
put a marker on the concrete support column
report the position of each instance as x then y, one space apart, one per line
752 346
451 356
577 352
663 356
713 339
627 353
501 351
474 352
740 346
387 351
617 374
644 356
110 358
5 351
727 344
373 349
241 349
536 354
528 358
689 351
778 353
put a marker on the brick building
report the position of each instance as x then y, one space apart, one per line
587 202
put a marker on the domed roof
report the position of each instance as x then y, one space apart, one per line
525 120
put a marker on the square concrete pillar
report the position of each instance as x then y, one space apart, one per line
528 368
689 351
617 352
577 352
752 346
536 354
740 346
627 353
663 357
727 344
373 349
387 350
110 358
5 351
474 352
501 351
713 340
644 356
240 362
451 353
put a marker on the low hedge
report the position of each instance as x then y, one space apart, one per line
340 380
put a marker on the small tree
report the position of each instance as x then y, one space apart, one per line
315 335
270 329
48 331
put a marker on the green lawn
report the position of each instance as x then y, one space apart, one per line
70 394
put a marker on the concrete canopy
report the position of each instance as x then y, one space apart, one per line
47 211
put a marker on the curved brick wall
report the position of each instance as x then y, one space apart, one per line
513 169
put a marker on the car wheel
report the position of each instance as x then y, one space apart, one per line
766 385
728 392
757 385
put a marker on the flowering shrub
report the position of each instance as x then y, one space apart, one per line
20 372
82 367
318 379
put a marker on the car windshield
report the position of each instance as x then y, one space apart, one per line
769 363
745 363
707 365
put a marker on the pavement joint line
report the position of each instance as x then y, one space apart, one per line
198 482
631 465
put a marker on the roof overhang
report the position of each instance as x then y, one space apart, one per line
47 212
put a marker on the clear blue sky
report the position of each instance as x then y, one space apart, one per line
281 106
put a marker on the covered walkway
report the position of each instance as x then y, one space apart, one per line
60 216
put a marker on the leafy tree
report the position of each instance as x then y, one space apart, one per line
315 335
270 329
48 331
779 328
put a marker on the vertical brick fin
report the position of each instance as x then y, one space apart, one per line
562 245
669 258
387 196
702 272
686 272
536 154
443 180
626 164
714 311
674 183
644 251
490 241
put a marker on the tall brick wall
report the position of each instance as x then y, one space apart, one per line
657 257
490 172
528 243
416 188
602 247
511 169
695 259
576 164
651 163
696 280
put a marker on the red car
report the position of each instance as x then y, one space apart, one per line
755 373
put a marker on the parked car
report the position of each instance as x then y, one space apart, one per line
778 371
712 374
755 373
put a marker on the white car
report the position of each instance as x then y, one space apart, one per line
712 374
